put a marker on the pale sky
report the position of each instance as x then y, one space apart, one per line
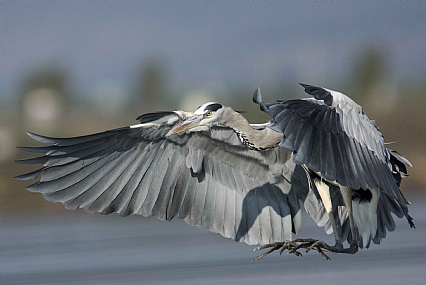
206 44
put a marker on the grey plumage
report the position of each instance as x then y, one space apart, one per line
198 177
322 135
219 173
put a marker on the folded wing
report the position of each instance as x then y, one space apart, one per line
333 137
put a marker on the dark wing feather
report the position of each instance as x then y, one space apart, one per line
209 179
352 150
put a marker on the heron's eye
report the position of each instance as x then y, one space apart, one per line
209 113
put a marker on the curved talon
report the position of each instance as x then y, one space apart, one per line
325 256
295 252
318 246
265 253
281 250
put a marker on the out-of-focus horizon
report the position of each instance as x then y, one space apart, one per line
72 68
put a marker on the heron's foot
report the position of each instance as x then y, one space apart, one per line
308 244
337 248
291 246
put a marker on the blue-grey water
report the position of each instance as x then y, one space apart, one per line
80 248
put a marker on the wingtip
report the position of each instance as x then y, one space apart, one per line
34 187
319 93
30 134
399 157
257 96
19 177
28 176
410 221
20 161
310 88
39 138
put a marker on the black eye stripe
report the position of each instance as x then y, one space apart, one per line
213 107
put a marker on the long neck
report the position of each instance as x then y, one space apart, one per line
257 139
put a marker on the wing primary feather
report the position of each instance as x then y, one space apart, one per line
56 172
52 173
209 205
239 223
73 140
140 193
154 188
229 215
179 166
290 127
283 116
106 197
38 149
65 159
76 188
231 174
73 178
189 196
179 196
273 198
31 175
121 201
198 205
264 220
338 161
290 136
366 167
253 233
303 147
357 165
219 209
313 156
225 175
173 169
344 157
327 157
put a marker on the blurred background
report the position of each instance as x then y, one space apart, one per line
76 67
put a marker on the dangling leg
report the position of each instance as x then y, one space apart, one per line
319 245
324 192
347 199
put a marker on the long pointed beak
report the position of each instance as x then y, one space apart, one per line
189 123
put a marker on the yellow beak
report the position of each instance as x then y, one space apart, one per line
188 124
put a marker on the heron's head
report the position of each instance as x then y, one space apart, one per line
207 115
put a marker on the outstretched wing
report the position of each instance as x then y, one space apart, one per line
332 136
210 179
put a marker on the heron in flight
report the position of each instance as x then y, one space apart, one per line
248 182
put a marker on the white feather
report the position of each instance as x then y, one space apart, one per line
365 217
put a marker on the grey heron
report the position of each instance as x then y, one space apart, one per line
248 182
